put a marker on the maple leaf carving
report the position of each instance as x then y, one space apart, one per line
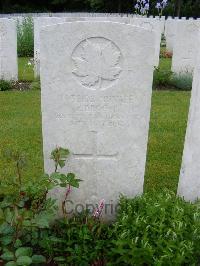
97 62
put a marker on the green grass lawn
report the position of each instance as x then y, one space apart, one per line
20 128
25 71
165 63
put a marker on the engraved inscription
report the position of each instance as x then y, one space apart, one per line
94 155
96 63
102 111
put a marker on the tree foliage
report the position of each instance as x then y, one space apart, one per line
187 8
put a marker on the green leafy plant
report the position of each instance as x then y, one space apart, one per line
156 229
25 209
161 78
81 240
35 85
5 85
182 81
25 37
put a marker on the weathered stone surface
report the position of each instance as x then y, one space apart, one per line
189 182
96 98
41 22
185 46
38 24
153 25
170 31
8 50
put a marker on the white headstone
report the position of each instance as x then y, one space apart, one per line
96 99
38 24
185 46
8 50
41 22
189 182
153 25
170 32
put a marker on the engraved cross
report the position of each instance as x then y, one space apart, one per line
94 155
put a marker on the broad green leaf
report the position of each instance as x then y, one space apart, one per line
74 183
11 263
8 215
6 229
38 259
70 176
26 223
59 259
18 243
55 175
23 251
61 163
24 261
6 240
21 204
7 256
43 219
63 184
1 215
6 202
64 152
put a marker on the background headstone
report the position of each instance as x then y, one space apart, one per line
170 32
153 25
96 98
189 182
38 24
8 49
185 46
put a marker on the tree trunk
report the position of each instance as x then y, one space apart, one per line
119 6
179 3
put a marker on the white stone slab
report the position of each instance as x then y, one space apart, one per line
185 46
41 22
170 32
153 25
96 99
189 182
8 49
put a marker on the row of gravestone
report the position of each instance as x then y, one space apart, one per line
180 35
96 80
96 86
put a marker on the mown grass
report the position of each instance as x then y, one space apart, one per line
166 139
25 71
20 128
165 63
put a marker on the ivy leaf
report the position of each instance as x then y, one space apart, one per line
11 263
6 229
8 215
23 251
72 180
6 240
59 259
18 243
38 259
24 261
61 163
55 175
7 256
